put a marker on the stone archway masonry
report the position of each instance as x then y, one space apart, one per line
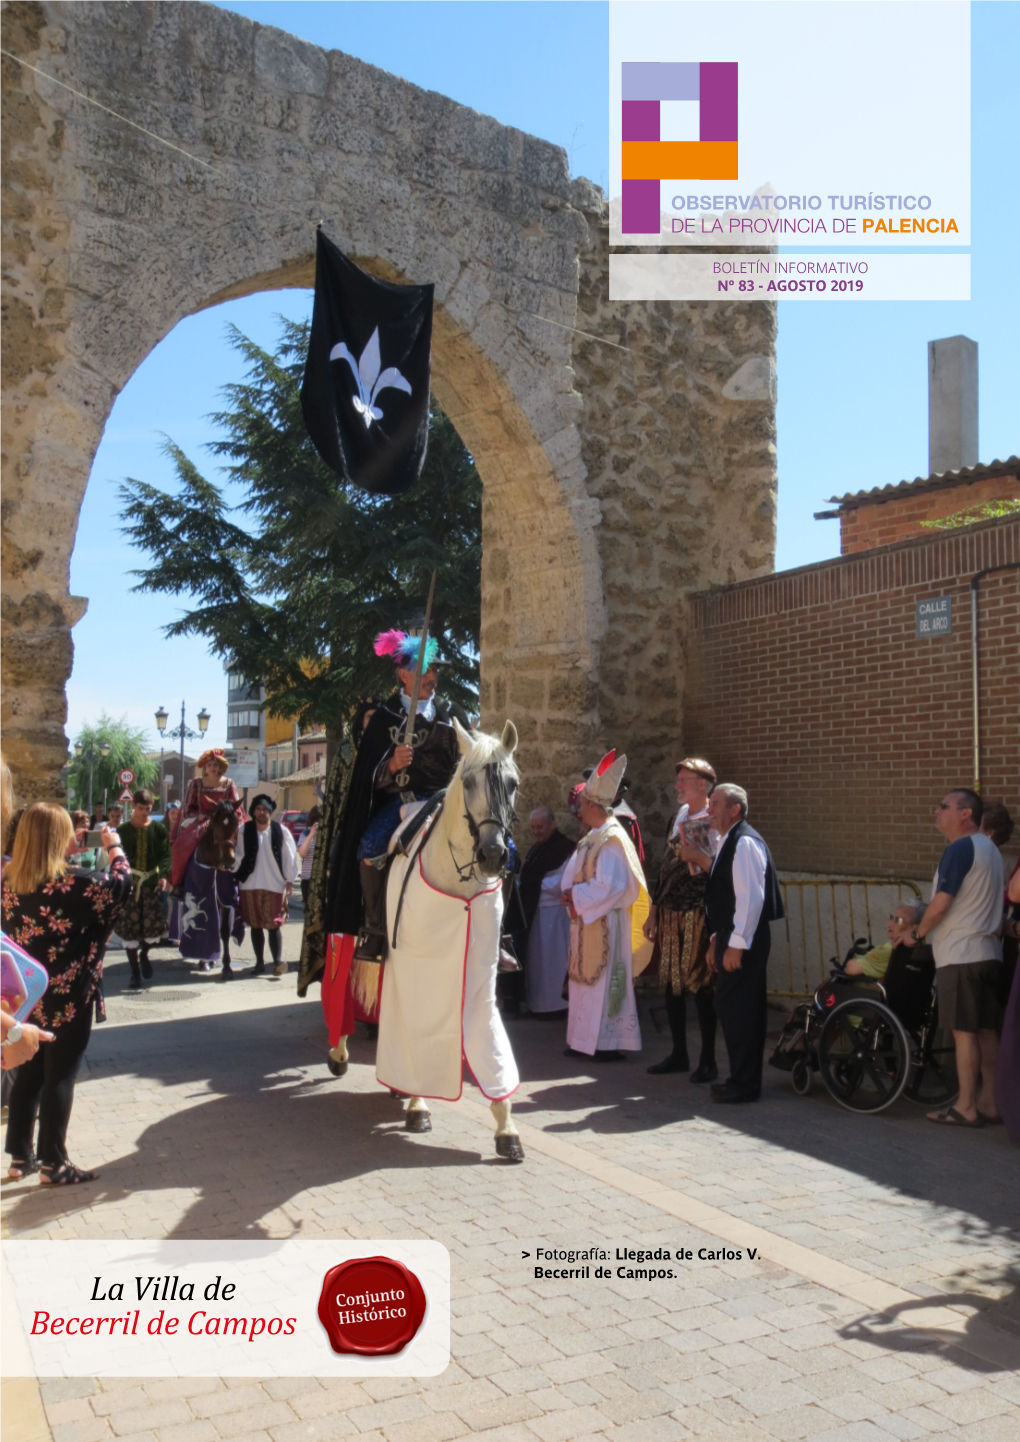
615 481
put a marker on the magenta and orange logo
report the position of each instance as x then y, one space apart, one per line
664 102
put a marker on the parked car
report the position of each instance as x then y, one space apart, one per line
295 822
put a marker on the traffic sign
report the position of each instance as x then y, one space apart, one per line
126 777
125 795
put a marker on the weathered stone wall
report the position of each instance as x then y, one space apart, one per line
678 440
111 238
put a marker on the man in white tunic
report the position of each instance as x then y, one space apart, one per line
601 883
266 865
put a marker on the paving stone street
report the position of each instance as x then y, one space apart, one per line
883 1301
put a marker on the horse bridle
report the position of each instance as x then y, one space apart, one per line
503 823
434 810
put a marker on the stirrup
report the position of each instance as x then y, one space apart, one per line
371 946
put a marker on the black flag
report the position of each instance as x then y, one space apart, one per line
365 395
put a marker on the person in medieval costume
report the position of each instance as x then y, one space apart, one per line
548 926
325 956
626 816
266 866
210 916
205 792
315 936
601 884
677 922
386 777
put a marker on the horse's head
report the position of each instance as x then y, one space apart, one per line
216 846
489 779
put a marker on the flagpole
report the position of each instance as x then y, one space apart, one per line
419 671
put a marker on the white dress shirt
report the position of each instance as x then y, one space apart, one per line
749 865
266 876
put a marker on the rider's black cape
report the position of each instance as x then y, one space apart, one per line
435 760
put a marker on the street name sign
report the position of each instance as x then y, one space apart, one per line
934 617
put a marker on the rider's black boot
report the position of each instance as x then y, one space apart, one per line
372 944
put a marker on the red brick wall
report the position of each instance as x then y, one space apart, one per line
883 523
810 689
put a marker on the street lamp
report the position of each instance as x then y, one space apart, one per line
90 755
183 731
162 717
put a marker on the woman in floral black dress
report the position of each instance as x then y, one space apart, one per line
62 918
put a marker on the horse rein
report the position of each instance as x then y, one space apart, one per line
503 823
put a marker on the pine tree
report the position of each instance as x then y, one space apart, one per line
292 584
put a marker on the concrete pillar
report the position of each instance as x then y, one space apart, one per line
952 404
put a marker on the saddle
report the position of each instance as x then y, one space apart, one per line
408 839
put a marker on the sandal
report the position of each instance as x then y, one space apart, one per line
66 1175
952 1118
19 1169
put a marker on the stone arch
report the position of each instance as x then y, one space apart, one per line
110 238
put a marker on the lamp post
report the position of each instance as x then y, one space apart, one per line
183 731
90 756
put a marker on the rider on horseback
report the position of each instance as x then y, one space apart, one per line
387 775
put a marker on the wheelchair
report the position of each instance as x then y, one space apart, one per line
872 1041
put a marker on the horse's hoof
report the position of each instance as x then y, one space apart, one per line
417 1122
338 1068
510 1148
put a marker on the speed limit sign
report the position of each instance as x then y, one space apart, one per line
126 777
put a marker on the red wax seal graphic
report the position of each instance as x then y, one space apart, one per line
371 1305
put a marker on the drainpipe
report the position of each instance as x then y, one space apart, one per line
975 581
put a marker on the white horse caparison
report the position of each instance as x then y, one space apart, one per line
462 860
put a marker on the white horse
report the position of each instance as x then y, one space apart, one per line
444 909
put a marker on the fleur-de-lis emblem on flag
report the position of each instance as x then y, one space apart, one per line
368 378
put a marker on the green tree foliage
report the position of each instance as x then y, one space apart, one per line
293 582
127 747
987 511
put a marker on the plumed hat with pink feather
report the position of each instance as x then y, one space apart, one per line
402 649
604 782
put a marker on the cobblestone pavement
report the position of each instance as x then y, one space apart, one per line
884 1302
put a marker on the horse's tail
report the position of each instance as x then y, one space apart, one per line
365 983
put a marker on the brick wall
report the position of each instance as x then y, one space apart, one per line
883 523
811 689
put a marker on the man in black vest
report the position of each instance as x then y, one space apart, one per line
741 898
266 865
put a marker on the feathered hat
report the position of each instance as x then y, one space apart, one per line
604 782
402 649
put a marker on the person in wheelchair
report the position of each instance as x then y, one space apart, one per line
871 1030
873 964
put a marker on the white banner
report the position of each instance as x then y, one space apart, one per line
244 769
789 277
201 1309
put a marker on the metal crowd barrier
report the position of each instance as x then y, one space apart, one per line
824 917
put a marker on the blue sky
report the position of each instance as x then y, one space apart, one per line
852 407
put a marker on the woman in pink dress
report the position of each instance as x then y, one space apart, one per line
205 792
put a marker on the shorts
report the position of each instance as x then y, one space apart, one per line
969 996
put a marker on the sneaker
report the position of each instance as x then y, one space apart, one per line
280 969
